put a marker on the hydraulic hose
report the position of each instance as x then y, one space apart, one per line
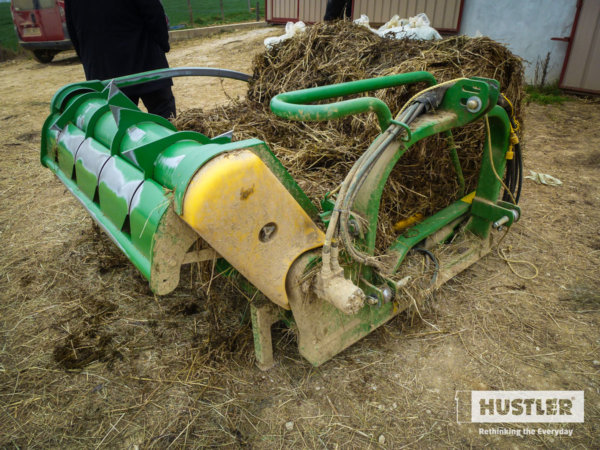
418 107
347 199
519 157
514 167
421 103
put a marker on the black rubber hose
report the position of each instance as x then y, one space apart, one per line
513 174
519 156
518 169
514 167
421 105
510 179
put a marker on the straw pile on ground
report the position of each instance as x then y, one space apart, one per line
319 155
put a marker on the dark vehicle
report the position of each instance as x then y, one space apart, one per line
40 27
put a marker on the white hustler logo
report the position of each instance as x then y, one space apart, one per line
526 406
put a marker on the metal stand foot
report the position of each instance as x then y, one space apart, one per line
263 317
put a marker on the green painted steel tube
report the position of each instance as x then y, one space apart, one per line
417 233
143 133
105 129
490 181
86 110
456 163
294 105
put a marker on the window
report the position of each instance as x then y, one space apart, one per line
28 5
20 5
46 4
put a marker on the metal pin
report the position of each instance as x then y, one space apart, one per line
498 223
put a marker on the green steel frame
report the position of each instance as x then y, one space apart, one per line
319 342
452 113
130 170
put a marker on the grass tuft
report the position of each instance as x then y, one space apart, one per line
545 95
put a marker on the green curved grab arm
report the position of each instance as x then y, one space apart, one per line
67 91
294 105
159 74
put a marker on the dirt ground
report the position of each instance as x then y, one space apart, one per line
90 358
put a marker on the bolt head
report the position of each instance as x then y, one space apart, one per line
472 104
372 300
353 228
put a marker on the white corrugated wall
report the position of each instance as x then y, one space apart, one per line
282 9
312 10
443 14
581 71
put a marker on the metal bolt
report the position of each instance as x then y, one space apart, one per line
474 104
372 300
353 228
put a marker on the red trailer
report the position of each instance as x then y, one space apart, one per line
40 27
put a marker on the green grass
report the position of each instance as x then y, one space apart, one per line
8 38
208 12
547 95
205 12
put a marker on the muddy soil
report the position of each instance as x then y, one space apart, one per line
89 357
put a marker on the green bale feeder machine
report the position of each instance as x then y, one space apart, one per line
157 191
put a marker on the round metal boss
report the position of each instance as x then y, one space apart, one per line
473 104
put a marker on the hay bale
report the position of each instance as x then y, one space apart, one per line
319 154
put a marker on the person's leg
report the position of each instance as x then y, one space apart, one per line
348 11
160 102
334 10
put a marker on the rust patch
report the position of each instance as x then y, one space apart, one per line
245 193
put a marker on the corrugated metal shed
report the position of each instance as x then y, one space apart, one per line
444 14
281 10
312 10
580 72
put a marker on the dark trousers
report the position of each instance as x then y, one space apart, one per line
160 102
337 8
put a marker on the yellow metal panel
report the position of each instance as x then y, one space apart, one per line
231 201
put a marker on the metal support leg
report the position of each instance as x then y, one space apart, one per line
263 317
